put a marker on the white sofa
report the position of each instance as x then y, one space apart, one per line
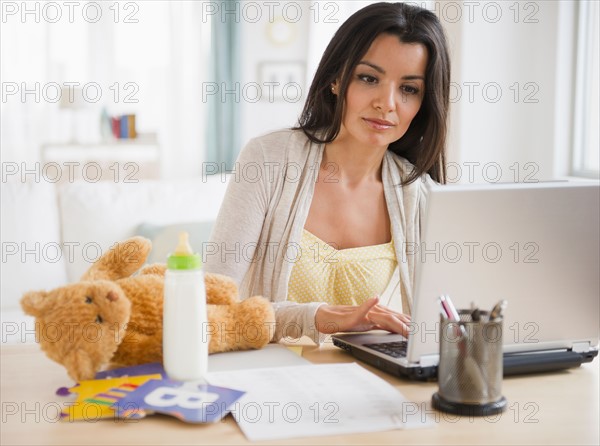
51 233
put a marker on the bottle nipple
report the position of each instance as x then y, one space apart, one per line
184 258
183 245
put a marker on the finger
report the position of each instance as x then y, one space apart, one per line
360 315
396 329
391 323
367 305
381 309
384 310
390 310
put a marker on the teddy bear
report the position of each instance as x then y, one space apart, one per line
113 318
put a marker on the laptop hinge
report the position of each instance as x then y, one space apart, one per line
429 360
581 347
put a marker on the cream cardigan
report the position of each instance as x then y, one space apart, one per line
256 237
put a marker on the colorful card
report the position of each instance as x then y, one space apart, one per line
190 402
96 397
152 368
144 369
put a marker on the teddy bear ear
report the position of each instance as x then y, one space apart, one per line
34 302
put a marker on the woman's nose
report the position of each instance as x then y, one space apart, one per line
385 99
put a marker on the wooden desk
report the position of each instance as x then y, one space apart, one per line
554 408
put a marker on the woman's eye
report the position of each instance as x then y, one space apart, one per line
409 89
99 319
88 300
367 78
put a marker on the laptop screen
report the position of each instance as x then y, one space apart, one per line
535 245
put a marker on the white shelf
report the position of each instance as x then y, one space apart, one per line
101 153
143 151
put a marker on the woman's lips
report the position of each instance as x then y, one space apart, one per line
379 124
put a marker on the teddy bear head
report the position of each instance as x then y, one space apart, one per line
79 325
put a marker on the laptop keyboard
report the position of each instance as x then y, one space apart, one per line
393 349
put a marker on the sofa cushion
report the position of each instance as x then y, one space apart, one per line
32 257
97 215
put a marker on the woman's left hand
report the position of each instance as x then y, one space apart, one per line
368 316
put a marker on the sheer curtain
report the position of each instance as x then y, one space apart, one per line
147 58
223 133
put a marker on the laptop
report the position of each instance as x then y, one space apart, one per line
534 244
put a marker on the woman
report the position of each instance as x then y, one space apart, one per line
318 218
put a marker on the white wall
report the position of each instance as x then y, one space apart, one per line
158 48
310 34
511 97
535 56
280 36
515 124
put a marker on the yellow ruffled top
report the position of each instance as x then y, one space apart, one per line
340 277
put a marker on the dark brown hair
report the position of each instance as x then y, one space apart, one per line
424 142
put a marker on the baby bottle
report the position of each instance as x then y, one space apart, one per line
185 331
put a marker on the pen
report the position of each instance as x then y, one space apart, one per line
475 313
474 371
498 310
449 311
444 309
451 308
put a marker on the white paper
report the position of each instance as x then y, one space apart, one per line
314 400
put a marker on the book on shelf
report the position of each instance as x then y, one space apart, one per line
123 126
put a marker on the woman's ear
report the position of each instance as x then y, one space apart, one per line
334 87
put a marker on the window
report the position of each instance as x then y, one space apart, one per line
143 58
586 126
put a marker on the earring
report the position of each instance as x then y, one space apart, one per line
332 89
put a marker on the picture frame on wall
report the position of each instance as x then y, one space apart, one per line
282 80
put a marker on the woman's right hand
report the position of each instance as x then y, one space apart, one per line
331 319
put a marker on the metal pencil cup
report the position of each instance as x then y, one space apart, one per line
470 367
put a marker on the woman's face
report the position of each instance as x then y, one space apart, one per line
385 92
